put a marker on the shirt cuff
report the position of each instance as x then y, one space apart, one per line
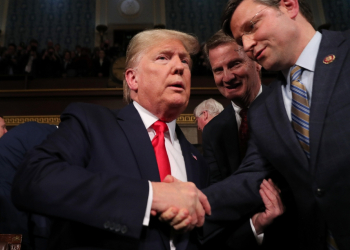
149 205
259 238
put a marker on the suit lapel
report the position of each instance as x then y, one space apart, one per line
134 129
325 78
191 163
281 124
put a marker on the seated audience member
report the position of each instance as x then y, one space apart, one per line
32 63
3 129
13 147
101 65
9 61
206 111
50 63
58 52
83 62
68 67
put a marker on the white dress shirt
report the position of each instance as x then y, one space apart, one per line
173 148
306 60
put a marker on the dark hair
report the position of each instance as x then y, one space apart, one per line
232 5
216 40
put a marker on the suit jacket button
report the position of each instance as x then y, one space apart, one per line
117 227
107 225
112 226
320 192
124 229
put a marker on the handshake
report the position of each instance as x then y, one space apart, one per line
184 206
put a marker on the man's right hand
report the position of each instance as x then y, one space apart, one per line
181 204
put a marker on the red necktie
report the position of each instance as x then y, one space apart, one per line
158 144
243 132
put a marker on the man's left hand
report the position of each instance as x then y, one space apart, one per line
273 206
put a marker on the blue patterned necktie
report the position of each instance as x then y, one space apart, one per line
300 109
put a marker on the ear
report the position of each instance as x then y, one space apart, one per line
291 6
131 79
205 115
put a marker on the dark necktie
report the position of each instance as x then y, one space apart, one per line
158 144
243 132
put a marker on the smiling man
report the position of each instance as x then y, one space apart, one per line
238 79
299 125
100 173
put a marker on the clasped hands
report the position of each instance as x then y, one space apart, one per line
183 205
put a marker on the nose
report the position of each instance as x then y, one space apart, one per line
5 131
248 43
228 76
178 66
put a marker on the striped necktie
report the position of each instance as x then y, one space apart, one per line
300 109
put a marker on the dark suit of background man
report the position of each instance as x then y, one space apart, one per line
98 174
206 111
279 37
13 147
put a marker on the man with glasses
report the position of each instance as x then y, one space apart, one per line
299 126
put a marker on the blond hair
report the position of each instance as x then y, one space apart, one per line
145 40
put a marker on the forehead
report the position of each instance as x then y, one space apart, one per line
224 52
244 13
168 45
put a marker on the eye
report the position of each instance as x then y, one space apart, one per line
186 61
161 58
251 26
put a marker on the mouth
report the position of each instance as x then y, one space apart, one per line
258 54
177 85
233 86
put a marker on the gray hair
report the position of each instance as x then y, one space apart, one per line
213 107
146 40
232 5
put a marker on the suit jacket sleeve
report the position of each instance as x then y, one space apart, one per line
237 197
61 178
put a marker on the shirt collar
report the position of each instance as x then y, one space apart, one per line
238 108
307 58
148 119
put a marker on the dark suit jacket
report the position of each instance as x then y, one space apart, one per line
13 146
93 176
221 145
221 152
320 186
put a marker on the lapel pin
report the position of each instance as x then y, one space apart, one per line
195 157
329 59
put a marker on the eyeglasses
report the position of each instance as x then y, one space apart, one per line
250 27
